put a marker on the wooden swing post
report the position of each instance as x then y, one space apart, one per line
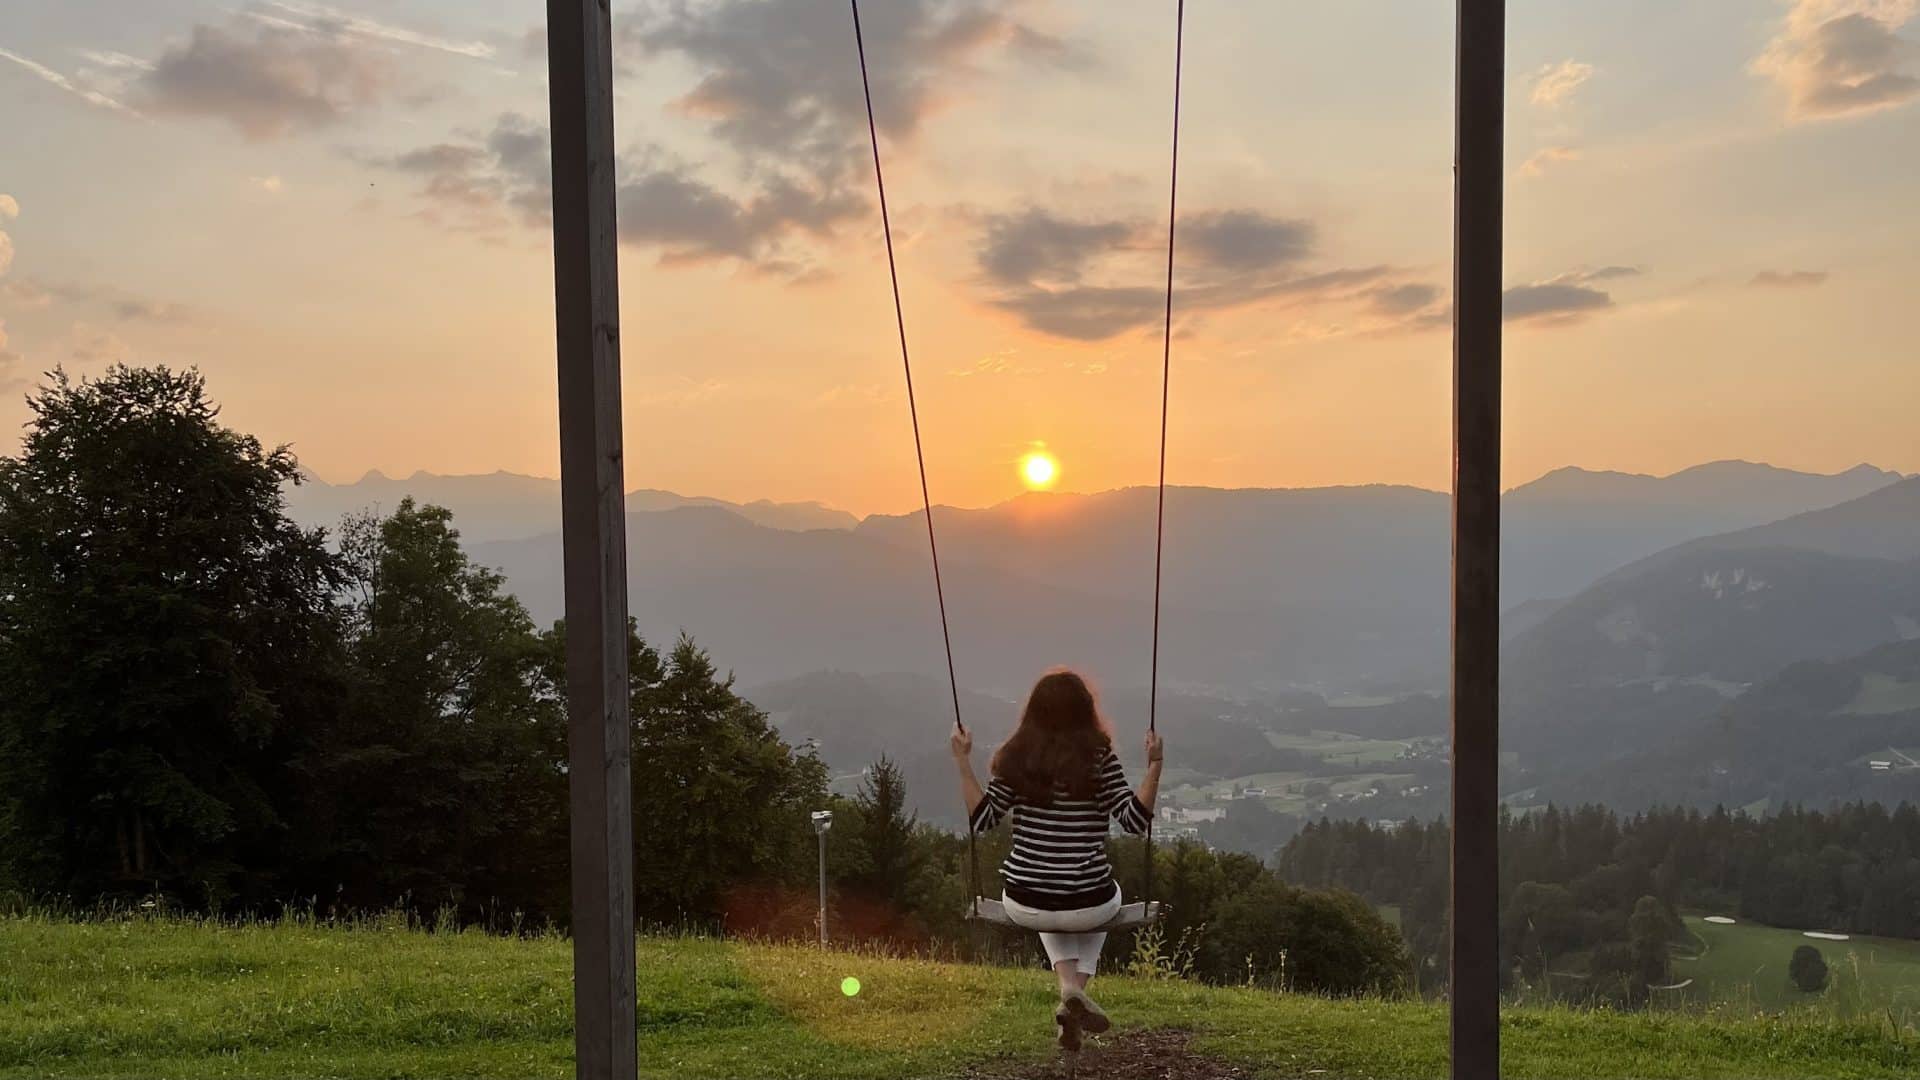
586 289
1474 944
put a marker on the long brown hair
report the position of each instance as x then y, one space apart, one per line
1061 740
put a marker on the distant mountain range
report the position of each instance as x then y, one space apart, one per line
1737 607
1264 588
1638 668
1572 525
510 506
1817 732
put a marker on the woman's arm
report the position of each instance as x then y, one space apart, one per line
1150 784
961 743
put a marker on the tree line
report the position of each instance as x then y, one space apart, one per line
1590 900
208 704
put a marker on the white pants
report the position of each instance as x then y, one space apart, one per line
1067 935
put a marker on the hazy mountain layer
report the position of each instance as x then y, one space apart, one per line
508 506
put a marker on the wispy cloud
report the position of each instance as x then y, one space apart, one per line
1843 57
326 19
85 93
112 61
1563 300
1788 279
9 209
1554 84
13 373
1547 157
90 345
95 300
1004 362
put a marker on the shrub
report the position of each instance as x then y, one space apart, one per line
1808 969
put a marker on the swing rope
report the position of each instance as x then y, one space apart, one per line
913 410
1166 379
920 456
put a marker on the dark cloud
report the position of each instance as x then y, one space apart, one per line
1789 279
684 216
1839 64
1245 240
672 210
487 181
1093 280
778 84
504 176
1565 299
1552 302
782 79
1604 273
1085 313
1855 67
1408 299
267 79
1037 246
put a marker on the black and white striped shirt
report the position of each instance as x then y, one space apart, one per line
1059 856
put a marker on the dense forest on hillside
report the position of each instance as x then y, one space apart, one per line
1574 881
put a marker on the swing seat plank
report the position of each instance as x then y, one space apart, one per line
1130 916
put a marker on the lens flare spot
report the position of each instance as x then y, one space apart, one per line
850 986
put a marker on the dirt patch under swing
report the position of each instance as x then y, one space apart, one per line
1135 1055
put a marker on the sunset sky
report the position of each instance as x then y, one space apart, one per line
339 214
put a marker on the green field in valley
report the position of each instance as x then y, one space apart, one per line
175 998
1341 748
1747 962
1881 694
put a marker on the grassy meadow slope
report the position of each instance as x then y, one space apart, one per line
1746 960
156 997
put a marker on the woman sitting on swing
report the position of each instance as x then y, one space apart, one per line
1060 782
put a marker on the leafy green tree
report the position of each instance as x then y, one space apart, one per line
885 829
1649 929
443 781
1539 924
1329 942
1808 969
164 631
720 802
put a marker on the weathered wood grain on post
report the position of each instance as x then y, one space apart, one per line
586 289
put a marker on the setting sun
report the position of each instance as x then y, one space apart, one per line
1039 470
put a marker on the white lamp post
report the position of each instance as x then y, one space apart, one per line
822 821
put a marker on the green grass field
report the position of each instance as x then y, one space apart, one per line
164 998
1340 747
1748 962
1882 694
